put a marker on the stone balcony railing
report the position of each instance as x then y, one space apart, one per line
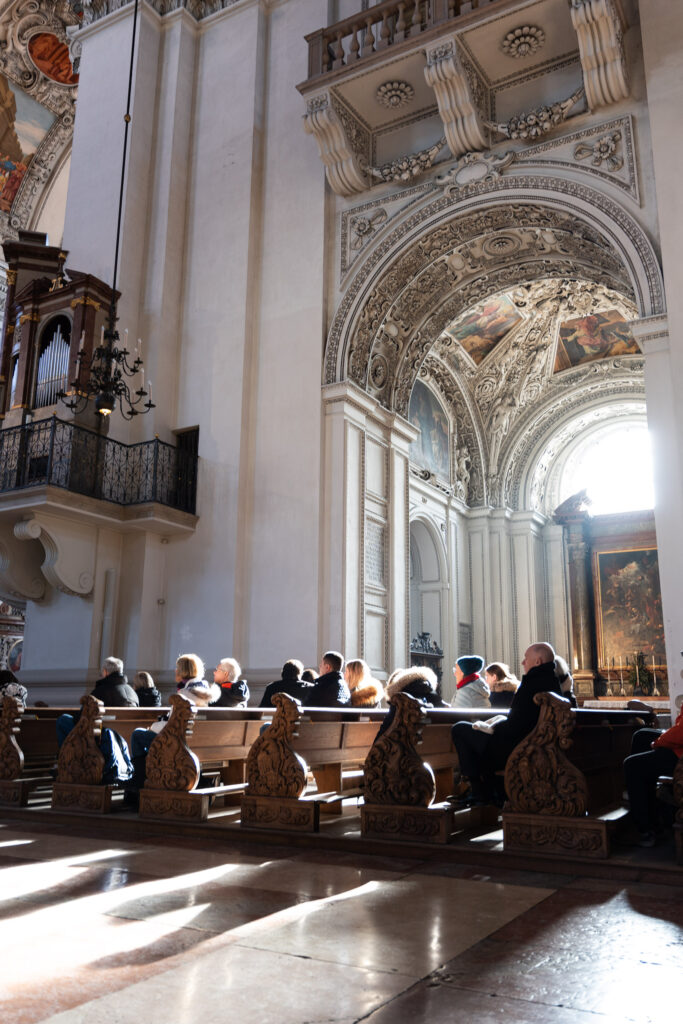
388 24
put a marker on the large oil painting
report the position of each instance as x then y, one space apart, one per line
430 451
483 327
594 337
628 606
23 126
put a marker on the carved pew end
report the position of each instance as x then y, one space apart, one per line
289 814
181 805
77 796
554 834
432 824
16 792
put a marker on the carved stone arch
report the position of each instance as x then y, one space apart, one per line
584 393
361 336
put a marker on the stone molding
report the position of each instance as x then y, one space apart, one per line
20 576
95 10
599 29
447 76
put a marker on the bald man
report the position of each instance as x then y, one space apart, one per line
482 754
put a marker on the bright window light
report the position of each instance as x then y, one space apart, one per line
615 467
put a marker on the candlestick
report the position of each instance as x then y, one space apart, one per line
635 662
139 348
102 335
150 391
621 678
142 371
125 338
81 342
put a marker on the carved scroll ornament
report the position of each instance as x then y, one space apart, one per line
11 757
80 760
394 772
539 778
171 765
273 768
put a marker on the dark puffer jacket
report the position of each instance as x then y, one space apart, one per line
114 692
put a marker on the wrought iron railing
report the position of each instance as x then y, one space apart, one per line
64 455
387 24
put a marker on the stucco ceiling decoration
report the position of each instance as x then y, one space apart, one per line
461 263
523 41
37 52
394 95
513 393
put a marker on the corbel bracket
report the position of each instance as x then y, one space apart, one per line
344 171
462 124
600 30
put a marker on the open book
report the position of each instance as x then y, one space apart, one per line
490 724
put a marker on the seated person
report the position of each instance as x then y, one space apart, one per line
234 691
642 771
503 684
482 754
148 695
472 691
330 689
291 683
565 679
309 675
366 692
11 687
113 689
419 682
189 671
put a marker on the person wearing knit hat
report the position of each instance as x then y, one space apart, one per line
472 690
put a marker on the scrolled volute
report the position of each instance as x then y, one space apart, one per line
273 768
394 773
11 756
80 760
539 778
171 765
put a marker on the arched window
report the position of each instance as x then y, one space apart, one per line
53 361
615 466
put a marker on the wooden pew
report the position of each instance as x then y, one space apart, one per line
221 740
557 803
80 764
16 780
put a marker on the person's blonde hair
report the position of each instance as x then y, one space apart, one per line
143 681
190 666
356 671
232 668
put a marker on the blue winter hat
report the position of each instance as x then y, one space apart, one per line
470 664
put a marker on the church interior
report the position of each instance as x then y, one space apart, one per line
339 326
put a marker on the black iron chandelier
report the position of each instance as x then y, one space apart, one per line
110 371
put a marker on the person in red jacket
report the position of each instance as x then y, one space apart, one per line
643 770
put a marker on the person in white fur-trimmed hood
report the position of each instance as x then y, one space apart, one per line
419 682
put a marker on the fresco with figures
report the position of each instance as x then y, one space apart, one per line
23 126
629 606
51 56
483 327
430 451
594 337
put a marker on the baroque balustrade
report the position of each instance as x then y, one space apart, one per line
388 24
60 454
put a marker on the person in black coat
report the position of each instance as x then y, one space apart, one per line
291 683
148 695
234 691
113 689
419 682
482 754
330 689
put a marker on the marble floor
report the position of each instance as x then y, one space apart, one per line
183 931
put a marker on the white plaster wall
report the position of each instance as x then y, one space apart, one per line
50 215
